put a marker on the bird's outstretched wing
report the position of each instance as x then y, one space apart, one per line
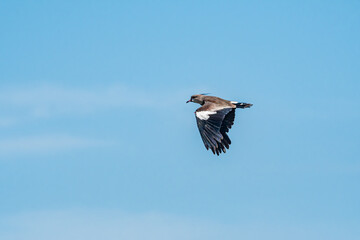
213 126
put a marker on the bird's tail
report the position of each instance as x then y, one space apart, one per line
242 105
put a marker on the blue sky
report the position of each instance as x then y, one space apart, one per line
98 143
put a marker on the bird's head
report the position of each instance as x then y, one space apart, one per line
197 98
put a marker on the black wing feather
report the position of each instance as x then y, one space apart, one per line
225 127
213 130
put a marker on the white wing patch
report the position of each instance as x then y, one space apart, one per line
233 102
204 115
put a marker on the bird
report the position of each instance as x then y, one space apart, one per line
214 119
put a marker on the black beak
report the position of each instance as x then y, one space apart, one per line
188 101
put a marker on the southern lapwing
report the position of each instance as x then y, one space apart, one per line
214 119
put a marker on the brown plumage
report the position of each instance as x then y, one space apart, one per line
214 119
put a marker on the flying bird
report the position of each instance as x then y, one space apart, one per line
214 119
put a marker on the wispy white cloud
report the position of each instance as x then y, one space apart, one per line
45 144
115 225
77 225
45 101
7 121
26 103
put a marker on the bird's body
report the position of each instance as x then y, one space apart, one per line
214 119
